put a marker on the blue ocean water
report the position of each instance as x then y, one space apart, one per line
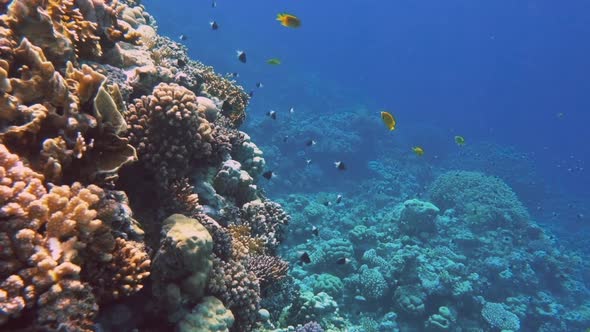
511 77
508 73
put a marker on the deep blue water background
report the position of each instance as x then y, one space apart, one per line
493 71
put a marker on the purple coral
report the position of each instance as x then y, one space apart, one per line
310 327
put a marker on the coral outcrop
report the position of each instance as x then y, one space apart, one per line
52 240
182 265
169 131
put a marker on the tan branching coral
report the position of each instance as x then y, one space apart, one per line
124 274
38 80
69 305
168 131
47 238
244 243
203 80
25 122
32 19
68 29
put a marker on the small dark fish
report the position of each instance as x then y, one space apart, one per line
268 175
272 114
343 261
234 75
241 56
213 4
307 162
580 216
180 63
226 107
251 93
285 139
214 25
310 143
315 231
259 85
304 257
338 199
340 165
327 203
183 37
291 110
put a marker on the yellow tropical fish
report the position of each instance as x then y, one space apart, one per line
460 140
273 61
388 120
418 150
289 20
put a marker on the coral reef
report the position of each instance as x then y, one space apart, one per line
434 268
107 129
52 246
130 200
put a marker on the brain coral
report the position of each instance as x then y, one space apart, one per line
484 199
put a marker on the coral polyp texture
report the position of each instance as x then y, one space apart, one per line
169 131
108 148
52 239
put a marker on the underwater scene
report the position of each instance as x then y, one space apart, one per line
294 166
